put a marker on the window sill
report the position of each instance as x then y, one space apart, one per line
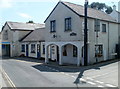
22 51
67 30
104 32
33 52
52 31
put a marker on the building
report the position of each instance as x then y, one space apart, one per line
0 45
116 15
119 6
34 44
64 39
12 33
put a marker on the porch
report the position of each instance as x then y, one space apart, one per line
64 52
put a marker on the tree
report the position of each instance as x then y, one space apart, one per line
109 10
101 7
30 21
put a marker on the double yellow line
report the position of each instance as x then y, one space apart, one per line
12 85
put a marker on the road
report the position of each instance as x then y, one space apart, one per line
24 73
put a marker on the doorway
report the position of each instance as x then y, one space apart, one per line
27 50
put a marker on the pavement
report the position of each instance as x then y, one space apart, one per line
29 72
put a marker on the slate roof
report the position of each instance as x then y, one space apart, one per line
92 13
24 26
36 35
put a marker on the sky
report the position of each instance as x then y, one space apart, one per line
35 10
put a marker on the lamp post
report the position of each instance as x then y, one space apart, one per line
85 35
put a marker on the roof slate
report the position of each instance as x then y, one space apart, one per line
36 35
92 13
24 26
79 10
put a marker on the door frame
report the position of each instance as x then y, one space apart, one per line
27 50
38 51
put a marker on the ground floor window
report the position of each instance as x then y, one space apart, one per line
43 51
32 48
74 51
22 48
65 51
98 50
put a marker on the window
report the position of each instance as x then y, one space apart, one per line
65 51
74 51
98 50
22 48
68 24
53 26
32 48
103 27
5 35
43 51
97 25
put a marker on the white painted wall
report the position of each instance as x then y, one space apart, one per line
59 14
34 55
69 58
77 21
13 38
113 38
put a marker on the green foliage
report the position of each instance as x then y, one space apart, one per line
101 7
30 21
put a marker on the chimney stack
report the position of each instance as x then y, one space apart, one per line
114 7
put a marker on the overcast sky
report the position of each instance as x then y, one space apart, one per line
36 10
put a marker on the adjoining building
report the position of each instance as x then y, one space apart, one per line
34 44
12 33
0 45
116 15
65 35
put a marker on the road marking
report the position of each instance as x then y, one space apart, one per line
103 74
91 83
8 79
73 76
99 82
62 72
109 85
100 86
89 78
81 79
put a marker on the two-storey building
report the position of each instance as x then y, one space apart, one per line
12 33
64 41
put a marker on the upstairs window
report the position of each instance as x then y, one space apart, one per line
53 26
22 48
103 27
98 50
97 25
68 24
32 48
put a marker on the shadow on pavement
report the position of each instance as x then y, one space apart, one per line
96 67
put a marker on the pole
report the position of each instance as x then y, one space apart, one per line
85 35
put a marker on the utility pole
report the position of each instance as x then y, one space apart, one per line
85 35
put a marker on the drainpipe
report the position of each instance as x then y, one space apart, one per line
108 40
85 35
